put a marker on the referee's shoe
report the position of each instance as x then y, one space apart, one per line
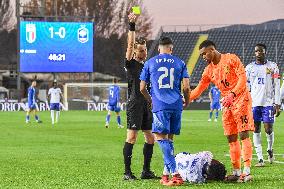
129 176
149 175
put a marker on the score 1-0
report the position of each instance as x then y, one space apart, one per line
61 32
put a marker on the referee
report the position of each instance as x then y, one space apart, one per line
139 115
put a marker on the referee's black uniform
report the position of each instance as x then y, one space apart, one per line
139 116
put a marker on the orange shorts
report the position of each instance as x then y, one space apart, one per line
239 116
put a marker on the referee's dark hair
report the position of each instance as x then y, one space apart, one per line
140 41
207 43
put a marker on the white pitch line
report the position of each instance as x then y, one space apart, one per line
256 155
195 120
280 162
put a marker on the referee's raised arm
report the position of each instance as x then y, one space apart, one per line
131 37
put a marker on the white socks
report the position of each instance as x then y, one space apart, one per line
52 116
57 116
246 171
237 172
257 145
270 141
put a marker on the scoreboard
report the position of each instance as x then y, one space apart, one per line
56 46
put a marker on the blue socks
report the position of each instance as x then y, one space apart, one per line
27 118
210 115
107 118
118 120
36 118
216 114
168 152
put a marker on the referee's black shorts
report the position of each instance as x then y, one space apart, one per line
139 115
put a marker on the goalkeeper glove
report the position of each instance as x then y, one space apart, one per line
228 100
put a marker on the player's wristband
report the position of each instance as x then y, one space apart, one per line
131 26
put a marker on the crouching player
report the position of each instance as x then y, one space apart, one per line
198 168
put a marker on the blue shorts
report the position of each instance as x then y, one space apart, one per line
113 108
55 106
32 106
263 113
215 106
167 122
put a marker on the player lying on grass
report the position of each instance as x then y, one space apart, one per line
198 168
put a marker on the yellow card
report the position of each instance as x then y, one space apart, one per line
136 10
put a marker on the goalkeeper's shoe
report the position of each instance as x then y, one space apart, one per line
149 175
107 125
245 178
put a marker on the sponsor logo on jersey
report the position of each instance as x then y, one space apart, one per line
268 71
227 69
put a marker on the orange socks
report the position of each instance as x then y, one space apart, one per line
235 154
247 152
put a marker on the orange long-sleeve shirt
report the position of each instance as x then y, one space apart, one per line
228 75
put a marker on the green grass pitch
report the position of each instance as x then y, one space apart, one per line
79 152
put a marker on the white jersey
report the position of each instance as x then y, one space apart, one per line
264 83
191 166
54 95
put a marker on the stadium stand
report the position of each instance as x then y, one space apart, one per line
236 39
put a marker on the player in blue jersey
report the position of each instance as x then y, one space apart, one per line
165 73
214 96
32 107
113 103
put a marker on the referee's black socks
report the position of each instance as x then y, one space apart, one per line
148 152
127 153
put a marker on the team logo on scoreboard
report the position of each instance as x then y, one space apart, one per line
30 33
83 34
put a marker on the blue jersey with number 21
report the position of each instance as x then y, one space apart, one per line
165 73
